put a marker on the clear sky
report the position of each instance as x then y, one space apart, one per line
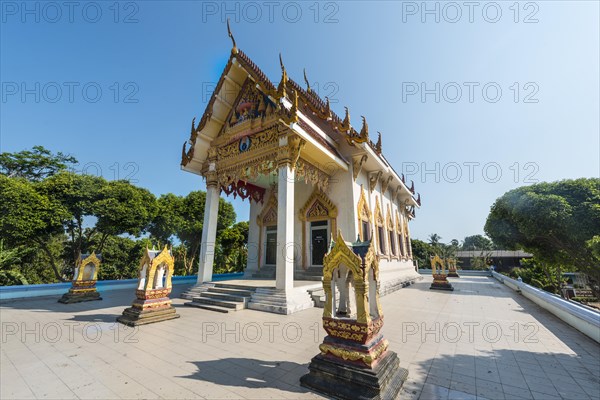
472 98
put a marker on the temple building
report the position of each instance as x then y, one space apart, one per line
305 171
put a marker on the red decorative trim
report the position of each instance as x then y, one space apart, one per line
245 190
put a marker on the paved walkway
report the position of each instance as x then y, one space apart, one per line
480 341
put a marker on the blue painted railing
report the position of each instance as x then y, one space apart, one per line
52 289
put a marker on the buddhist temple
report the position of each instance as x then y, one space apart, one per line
306 172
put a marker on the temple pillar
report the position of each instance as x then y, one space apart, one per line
284 298
285 228
209 228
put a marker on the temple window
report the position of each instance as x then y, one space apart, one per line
381 239
366 231
392 243
364 217
380 226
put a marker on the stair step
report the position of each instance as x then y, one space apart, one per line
209 307
232 286
233 292
226 297
215 302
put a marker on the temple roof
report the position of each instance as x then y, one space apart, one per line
334 136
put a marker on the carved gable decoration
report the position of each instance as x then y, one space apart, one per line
318 206
362 207
378 215
389 219
250 104
398 224
268 215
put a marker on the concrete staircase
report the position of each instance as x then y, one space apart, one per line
219 297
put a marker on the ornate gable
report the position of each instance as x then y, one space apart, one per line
378 214
250 104
362 208
389 219
318 206
268 215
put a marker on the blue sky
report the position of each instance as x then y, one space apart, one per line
494 88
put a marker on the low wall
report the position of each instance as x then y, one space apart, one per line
54 289
580 317
461 272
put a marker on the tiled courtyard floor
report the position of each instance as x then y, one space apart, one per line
480 341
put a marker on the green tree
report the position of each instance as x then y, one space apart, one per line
232 251
9 273
553 221
533 273
30 218
421 252
121 257
35 164
477 242
181 219
98 208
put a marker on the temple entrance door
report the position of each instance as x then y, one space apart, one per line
318 241
271 245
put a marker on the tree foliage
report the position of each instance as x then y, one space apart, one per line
35 164
477 242
557 222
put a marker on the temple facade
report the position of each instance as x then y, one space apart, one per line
305 171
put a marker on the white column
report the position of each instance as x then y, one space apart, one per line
285 228
209 231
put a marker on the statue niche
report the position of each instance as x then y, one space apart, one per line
354 361
83 286
152 303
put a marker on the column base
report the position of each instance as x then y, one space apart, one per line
280 301
453 275
344 381
78 297
133 316
441 286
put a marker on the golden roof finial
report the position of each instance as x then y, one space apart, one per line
364 132
378 144
281 63
346 123
234 50
281 90
306 81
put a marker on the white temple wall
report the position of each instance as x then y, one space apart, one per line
342 195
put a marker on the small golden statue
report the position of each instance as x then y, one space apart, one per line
152 303
440 280
452 272
83 286
354 361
